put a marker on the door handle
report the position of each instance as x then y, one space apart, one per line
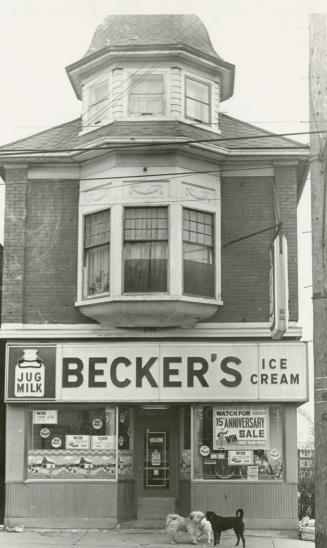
139 469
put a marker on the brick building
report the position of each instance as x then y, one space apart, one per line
150 299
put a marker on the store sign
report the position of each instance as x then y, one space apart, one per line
278 287
237 427
31 373
164 372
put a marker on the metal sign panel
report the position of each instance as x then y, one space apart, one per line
139 372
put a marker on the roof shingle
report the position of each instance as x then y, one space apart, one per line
146 30
66 136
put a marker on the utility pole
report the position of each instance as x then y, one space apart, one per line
318 122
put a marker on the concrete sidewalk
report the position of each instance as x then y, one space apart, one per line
128 538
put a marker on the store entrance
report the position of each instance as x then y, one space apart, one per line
156 461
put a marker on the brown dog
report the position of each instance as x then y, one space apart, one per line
223 523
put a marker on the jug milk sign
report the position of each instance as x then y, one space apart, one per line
31 373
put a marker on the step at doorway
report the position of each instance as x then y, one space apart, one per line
154 508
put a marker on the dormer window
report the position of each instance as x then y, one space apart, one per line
96 253
145 249
197 100
97 103
146 96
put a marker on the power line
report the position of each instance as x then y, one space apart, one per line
176 143
278 226
141 79
207 124
172 175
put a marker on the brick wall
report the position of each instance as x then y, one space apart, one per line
14 242
247 207
51 253
44 275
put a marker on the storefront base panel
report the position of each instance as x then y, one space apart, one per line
126 500
64 505
184 498
266 505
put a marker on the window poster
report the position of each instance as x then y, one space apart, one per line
240 458
125 463
102 443
63 464
237 427
77 442
45 416
253 473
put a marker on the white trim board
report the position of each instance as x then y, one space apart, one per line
210 330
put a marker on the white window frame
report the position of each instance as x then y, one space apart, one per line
119 201
166 96
85 266
88 125
169 259
201 80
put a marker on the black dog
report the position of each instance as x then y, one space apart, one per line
222 523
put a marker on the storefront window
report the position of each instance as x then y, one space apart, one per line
72 442
238 442
125 442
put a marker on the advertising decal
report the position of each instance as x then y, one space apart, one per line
240 427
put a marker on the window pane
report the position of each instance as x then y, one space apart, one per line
97 253
145 267
247 459
97 103
197 101
197 111
97 266
146 249
125 441
97 228
197 90
146 94
198 253
98 92
72 442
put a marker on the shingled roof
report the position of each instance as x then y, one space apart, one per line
152 30
66 136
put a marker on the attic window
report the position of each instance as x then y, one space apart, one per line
97 103
197 101
146 96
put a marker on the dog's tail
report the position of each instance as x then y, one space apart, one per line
240 513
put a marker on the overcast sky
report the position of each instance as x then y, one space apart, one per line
266 40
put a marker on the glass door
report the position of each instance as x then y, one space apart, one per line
156 452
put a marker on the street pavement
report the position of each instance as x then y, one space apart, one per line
114 538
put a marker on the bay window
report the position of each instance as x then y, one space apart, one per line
145 249
146 95
198 253
197 100
96 253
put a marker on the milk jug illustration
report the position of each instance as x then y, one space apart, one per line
29 375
